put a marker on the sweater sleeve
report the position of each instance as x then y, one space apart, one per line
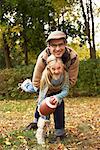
73 72
42 95
64 90
39 67
73 69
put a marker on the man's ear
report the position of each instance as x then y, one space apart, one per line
48 45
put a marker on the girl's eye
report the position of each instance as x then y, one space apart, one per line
59 68
53 69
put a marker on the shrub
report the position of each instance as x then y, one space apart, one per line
9 79
88 83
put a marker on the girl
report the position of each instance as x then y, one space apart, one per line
54 80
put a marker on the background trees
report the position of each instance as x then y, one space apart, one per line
28 19
24 26
89 22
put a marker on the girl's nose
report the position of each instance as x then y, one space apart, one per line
56 71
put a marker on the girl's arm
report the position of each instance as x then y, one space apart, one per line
64 90
42 95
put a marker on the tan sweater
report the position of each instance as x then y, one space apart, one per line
40 65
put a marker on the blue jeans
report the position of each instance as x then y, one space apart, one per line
59 117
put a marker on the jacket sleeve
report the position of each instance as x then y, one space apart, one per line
64 90
73 71
39 67
42 95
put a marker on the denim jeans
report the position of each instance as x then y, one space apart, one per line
59 117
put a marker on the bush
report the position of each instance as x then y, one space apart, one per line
9 79
88 83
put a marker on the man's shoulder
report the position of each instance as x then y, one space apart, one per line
43 53
72 52
43 57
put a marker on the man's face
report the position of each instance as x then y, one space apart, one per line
57 47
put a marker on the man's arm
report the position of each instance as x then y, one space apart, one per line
73 72
39 67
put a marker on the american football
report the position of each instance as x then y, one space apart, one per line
47 108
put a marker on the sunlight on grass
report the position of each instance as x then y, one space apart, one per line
19 106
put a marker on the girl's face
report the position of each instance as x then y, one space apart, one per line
56 70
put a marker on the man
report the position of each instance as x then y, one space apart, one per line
56 45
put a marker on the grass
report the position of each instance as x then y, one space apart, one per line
82 125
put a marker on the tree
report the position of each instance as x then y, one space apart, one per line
6 52
88 20
63 7
31 16
93 35
68 20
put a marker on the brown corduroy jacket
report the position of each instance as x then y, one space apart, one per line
41 63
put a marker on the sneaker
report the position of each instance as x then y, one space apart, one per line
57 139
31 126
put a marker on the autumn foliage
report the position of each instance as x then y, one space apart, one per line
81 125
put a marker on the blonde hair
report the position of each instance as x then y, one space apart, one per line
47 75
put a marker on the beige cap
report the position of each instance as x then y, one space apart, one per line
56 35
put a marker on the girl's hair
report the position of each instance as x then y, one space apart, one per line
47 75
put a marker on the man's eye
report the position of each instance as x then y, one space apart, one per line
53 45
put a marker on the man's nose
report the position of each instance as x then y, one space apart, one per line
58 47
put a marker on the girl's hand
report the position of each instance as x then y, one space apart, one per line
53 100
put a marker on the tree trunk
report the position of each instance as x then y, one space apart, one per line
87 26
6 53
25 48
93 35
25 41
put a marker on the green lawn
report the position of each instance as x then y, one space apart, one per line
82 125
